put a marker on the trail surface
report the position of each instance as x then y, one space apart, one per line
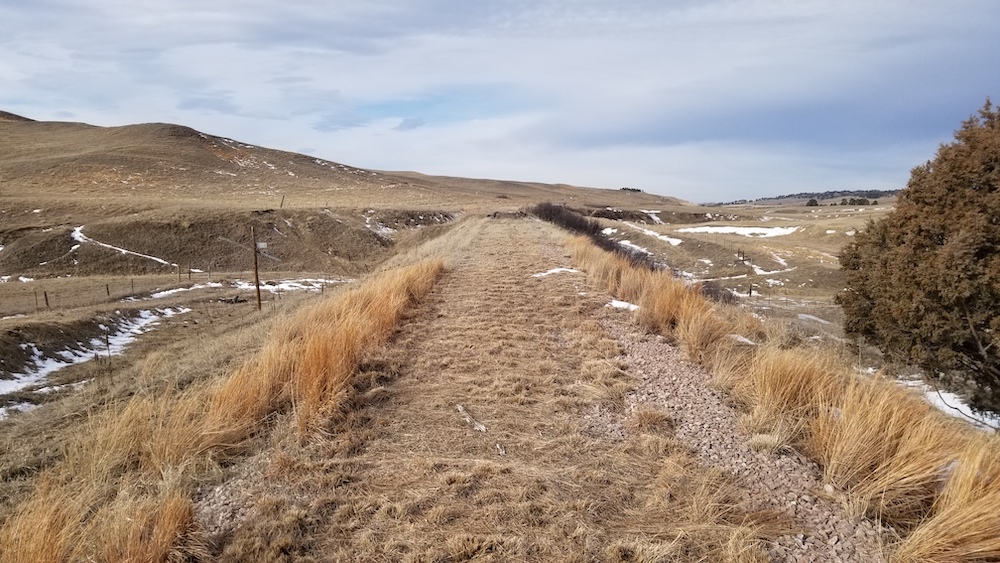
500 424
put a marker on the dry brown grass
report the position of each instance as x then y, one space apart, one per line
310 359
896 456
787 384
121 492
964 520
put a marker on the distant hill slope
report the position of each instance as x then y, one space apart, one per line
165 162
7 116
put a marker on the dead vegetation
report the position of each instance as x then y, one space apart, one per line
892 455
122 490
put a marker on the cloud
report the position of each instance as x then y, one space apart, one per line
220 102
687 98
409 124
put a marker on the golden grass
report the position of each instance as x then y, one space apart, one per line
787 384
896 456
120 493
964 521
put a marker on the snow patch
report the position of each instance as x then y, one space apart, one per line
609 231
555 271
304 284
24 279
169 292
40 367
952 404
82 238
654 215
16 408
622 305
761 232
654 234
628 244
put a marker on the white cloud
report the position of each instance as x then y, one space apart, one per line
704 100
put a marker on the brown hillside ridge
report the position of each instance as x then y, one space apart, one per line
7 116
161 163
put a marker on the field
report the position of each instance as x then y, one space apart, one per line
434 375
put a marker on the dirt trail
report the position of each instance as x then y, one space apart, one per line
404 475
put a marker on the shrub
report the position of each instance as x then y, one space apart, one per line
923 283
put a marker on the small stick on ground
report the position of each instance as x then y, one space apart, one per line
478 426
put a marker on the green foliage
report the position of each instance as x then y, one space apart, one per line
923 283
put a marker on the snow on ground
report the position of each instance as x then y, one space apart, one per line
706 261
622 305
628 244
761 232
377 227
739 277
742 339
654 234
779 259
831 231
815 319
15 408
301 284
654 215
40 367
555 271
851 233
23 279
609 231
950 403
82 238
307 284
169 292
4 279
762 272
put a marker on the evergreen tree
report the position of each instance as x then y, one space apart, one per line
923 283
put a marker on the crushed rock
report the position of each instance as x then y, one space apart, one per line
786 483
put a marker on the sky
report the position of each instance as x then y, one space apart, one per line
711 100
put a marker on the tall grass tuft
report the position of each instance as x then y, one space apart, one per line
787 384
964 521
309 360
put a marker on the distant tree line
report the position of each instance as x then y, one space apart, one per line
819 196
636 190
859 201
